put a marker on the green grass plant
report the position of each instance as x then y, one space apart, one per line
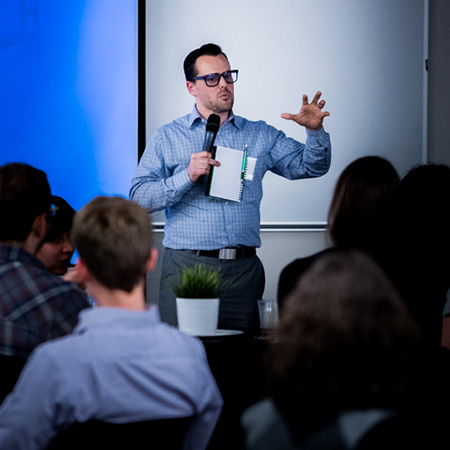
198 281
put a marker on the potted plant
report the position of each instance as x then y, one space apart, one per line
197 300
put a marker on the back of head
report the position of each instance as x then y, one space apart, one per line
361 210
422 266
24 195
114 238
190 60
423 207
61 220
344 342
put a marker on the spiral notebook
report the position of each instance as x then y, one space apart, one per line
227 181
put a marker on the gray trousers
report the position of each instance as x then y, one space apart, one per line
243 279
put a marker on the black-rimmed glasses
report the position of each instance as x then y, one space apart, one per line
213 79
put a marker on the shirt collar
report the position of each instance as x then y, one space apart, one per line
109 317
196 118
14 253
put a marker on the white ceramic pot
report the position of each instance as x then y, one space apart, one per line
198 316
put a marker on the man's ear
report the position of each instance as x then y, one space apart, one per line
40 226
191 88
83 273
152 260
35 238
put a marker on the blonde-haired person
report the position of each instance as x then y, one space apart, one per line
121 364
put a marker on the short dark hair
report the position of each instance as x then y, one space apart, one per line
190 60
24 195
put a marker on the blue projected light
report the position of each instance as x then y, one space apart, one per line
68 93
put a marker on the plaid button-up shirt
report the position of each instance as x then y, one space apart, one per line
35 305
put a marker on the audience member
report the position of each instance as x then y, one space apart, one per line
36 305
359 217
57 250
421 266
343 354
121 364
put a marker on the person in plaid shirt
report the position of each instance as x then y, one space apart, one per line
35 305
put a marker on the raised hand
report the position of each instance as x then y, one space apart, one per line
310 115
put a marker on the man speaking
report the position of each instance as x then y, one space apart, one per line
221 233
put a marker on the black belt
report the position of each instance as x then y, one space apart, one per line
226 253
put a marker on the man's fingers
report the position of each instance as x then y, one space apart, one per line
204 160
316 97
199 155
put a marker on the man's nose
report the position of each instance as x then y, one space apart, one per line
222 82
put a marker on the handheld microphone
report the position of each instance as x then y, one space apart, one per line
212 127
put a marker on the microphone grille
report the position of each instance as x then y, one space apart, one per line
213 122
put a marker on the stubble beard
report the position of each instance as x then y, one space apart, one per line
222 106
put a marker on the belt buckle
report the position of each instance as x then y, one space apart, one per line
227 253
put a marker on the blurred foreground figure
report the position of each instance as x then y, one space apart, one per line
346 368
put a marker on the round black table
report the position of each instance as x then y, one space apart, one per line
236 362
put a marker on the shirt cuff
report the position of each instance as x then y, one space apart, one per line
181 181
318 139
